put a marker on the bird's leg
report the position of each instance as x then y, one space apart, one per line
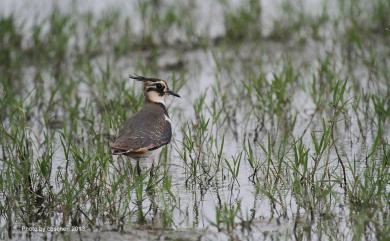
152 170
139 182
151 189
152 182
138 168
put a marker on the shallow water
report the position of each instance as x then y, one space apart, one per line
197 199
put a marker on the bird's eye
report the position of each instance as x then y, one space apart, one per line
159 86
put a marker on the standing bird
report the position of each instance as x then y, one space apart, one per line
149 128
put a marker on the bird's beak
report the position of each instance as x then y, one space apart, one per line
169 92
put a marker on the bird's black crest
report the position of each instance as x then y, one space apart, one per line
142 78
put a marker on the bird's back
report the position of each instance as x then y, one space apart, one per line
146 130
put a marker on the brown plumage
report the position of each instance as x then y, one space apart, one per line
149 128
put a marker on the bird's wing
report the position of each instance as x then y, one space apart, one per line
147 130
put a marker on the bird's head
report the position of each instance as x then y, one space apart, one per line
155 90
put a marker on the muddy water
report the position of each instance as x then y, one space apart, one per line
199 209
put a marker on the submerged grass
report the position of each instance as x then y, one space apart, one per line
281 131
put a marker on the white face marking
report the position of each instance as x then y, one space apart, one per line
167 118
154 96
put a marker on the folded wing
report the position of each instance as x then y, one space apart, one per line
147 130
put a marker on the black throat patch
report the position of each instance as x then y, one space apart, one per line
163 107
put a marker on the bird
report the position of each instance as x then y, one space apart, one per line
149 128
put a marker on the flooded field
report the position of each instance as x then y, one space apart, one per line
281 131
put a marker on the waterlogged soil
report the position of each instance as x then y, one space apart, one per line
199 199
